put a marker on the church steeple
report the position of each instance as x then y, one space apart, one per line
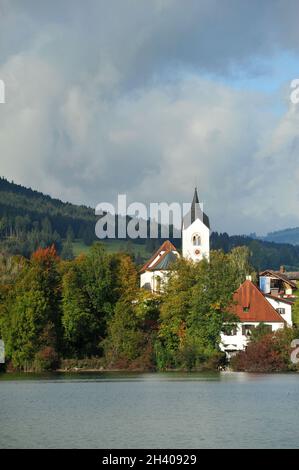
196 232
194 206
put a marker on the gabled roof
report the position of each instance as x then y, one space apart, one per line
279 275
164 262
159 255
293 275
251 305
195 213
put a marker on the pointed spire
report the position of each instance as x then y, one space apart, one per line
195 206
196 212
195 197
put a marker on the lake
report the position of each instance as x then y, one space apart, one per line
134 410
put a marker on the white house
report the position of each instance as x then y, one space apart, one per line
155 272
282 306
252 307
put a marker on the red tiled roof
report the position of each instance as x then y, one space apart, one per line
166 246
251 305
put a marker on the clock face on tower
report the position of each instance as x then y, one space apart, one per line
197 252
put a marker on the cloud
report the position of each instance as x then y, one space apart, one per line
141 97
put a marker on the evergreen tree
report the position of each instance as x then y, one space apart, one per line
67 252
88 301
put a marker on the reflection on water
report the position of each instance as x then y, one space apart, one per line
129 410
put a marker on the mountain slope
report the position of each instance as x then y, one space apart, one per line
29 219
289 235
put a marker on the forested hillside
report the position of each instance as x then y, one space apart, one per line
289 235
264 254
30 219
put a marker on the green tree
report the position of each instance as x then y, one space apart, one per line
80 325
67 252
33 316
194 309
295 313
70 236
89 295
175 308
239 258
261 330
131 330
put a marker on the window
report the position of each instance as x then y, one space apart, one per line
196 239
247 330
245 309
231 331
281 311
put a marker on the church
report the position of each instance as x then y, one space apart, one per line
195 247
270 303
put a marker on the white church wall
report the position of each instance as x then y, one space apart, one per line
149 280
189 248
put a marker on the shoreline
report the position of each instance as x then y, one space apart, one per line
77 370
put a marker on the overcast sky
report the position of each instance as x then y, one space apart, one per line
149 98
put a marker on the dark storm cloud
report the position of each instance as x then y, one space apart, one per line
130 95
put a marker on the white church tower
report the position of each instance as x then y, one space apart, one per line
196 232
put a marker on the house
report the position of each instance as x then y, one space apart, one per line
195 247
155 272
277 283
252 307
291 275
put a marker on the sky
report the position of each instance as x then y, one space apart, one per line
149 98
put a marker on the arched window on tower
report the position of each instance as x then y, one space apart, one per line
196 239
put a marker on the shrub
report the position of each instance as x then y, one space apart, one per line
46 359
269 353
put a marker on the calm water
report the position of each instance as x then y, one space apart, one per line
170 410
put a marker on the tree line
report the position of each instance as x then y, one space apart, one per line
91 311
92 306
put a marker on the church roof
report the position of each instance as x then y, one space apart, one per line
164 262
251 305
195 213
159 256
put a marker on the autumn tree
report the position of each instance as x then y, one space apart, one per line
269 353
132 328
34 316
